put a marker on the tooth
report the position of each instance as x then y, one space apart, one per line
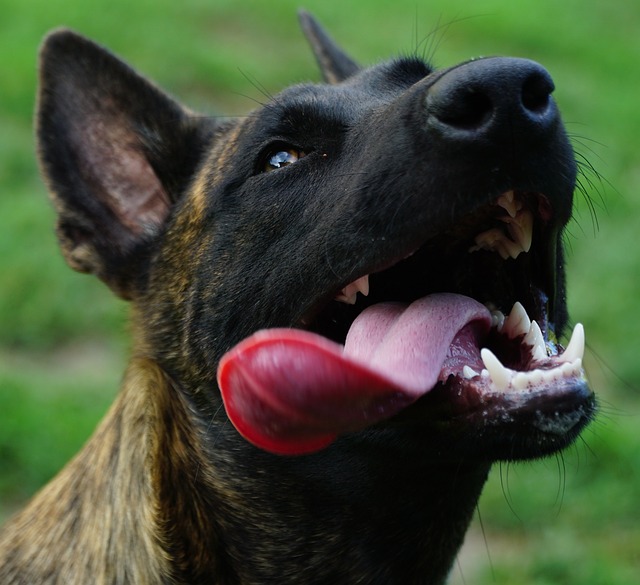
343 297
575 347
514 248
536 340
517 234
500 376
536 377
362 285
506 201
519 225
492 240
349 293
527 228
577 366
495 240
520 381
497 319
487 240
469 373
573 368
521 229
567 369
523 380
517 323
503 247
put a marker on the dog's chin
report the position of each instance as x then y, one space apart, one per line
512 392
471 417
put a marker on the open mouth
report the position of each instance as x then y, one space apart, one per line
464 321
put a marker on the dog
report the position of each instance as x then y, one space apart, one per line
346 307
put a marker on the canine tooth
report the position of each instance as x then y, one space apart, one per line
536 340
575 347
362 284
520 228
500 376
527 228
517 323
469 373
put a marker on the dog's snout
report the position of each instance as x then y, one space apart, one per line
490 99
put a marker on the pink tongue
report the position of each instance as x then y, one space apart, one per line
289 391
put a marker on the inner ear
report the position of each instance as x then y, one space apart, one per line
116 152
114 167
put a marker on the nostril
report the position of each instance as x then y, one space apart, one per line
465 109
473 111
536 93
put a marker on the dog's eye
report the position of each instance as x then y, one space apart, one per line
282 156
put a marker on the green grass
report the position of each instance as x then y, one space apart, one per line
212 54
50 403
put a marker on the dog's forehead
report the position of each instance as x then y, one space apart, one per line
368 88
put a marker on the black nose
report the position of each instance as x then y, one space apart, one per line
492 99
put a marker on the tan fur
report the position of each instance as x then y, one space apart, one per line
103 505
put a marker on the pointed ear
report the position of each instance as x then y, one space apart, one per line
335 64
116 153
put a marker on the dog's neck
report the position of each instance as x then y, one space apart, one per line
100 512
341 515
208 509
367 525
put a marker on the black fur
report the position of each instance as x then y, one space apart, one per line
174 212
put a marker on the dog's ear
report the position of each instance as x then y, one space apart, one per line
334 63
116 153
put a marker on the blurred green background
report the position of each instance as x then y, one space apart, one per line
574 519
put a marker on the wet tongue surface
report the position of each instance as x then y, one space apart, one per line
290 391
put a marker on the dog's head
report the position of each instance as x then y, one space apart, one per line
413 216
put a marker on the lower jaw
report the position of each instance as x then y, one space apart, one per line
461 422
